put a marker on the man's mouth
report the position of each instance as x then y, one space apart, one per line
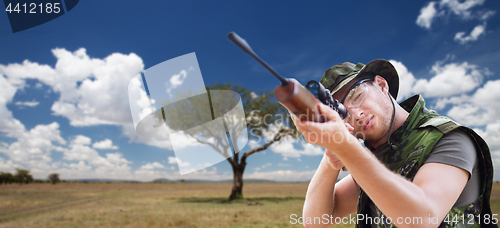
368 123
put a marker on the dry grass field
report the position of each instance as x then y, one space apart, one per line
154 205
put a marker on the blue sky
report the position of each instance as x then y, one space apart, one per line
63 91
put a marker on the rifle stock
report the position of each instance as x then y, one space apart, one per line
299 101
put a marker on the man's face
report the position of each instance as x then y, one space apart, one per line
371 120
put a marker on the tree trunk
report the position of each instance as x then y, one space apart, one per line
237 191
239 165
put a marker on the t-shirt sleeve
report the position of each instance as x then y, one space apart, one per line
456 149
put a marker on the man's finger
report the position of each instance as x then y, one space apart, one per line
298 123
349 127
329 112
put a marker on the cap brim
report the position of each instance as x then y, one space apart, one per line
343 83
379 67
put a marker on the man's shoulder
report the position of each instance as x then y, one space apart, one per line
442 123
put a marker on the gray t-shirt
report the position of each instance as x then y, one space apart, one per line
456 149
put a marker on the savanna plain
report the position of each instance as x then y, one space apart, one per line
99 204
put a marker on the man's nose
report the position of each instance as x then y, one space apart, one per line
356 114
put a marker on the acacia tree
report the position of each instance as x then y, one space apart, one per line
23 176
54 178
263 115
6 178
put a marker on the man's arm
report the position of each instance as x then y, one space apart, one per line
435 188
324 196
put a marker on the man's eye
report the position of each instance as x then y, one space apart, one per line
353 94
358 95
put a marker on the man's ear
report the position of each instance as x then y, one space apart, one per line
381 83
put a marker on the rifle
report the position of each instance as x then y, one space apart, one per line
292 95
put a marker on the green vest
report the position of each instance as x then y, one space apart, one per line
414 141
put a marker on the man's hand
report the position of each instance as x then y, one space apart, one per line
333 160
331 134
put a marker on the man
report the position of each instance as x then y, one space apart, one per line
418 168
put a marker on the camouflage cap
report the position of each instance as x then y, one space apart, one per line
336 77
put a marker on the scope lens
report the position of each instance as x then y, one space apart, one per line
313 87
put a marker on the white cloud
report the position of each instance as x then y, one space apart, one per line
92 91
253 144
450 79
16 73
161 137
151 166
473 36
174 160
264 166
81 170
485 15
8 124
178 79
461 9
105 144
116 158
81 140
441 103
99 99
27 103
6 165
491 135
449 82
287 149
33 148
427 15
406 80
284 165
113 164
480 109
